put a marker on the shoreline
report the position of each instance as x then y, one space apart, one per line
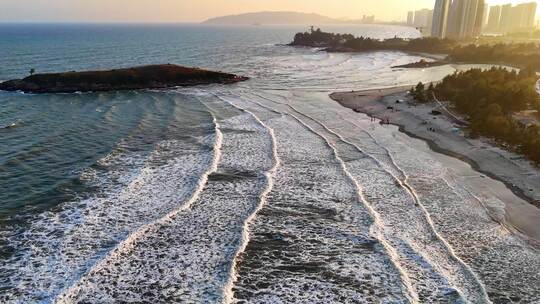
502 166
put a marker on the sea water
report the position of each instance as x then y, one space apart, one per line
264 191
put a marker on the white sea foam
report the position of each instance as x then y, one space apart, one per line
461 220
324 291
60 246
355 212
188 255
473 288
270 175
178 199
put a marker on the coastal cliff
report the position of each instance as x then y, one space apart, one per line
143 77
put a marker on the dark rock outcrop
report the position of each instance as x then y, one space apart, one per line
348 43
422 64
144 77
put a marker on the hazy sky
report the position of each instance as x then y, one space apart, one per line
197 10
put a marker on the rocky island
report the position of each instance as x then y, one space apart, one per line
143 77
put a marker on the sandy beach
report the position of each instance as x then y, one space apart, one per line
444 135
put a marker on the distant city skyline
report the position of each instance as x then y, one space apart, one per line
189 11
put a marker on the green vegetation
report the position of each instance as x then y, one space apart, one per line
347 42
489 99
318 38
421 94
515 54
525 35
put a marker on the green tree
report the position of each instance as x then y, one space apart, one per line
420 92
490 98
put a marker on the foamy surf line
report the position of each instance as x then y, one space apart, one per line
250 276
379 226
128 243
453 256
270 175
230 196
458 208
404 183
308 128
130 186
453 208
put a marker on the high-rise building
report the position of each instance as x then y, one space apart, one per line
529 15
368 19
440 18
494 19
517 18
454 18
423 20
463 18
460 19
506 18
429 24
410 18
479 19
485 15
421 17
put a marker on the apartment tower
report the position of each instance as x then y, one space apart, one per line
440 18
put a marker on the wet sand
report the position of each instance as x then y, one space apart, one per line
499 170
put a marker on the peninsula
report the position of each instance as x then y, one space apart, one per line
349 43
519 55
143 77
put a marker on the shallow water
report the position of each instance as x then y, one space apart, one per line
265 191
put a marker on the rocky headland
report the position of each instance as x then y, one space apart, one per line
143 77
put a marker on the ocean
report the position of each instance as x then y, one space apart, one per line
262 192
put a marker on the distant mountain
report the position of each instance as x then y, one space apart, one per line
273 18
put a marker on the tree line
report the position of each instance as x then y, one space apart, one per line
489 99
514 54
318 38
